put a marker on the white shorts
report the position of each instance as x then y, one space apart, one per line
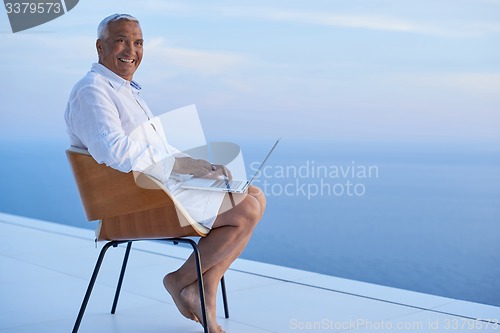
202 206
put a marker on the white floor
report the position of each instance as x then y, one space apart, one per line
45 269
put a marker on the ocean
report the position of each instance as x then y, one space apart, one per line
422 217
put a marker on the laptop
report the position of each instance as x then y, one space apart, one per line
225 185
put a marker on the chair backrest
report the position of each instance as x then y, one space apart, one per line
106 192
126 210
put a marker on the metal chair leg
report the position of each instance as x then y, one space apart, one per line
91 285
199 272
122 274
201 288
120 280
224 296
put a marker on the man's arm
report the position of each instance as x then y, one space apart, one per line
95 120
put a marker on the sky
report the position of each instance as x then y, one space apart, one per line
359 70
416 73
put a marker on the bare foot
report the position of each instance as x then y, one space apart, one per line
173 290
191 297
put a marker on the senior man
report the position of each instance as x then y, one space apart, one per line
104 108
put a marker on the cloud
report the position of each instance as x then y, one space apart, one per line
168 6
205 62
450 28
51 47
329 17
463 82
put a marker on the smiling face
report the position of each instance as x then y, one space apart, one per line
121 48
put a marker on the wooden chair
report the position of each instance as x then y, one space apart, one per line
129 213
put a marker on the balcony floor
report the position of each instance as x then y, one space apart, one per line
45 268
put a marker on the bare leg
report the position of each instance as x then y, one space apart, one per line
211 279
188 300
230 234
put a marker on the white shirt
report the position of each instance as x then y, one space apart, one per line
101 114
106 115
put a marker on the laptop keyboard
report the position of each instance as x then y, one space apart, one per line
225 184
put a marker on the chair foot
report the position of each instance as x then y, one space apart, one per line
91 284
199 273
120 280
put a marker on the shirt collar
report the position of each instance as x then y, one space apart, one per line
114 80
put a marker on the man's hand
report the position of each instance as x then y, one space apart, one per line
200 168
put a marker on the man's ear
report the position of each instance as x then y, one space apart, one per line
98 46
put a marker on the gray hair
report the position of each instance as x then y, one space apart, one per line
102 29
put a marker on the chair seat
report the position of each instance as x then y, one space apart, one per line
148 224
